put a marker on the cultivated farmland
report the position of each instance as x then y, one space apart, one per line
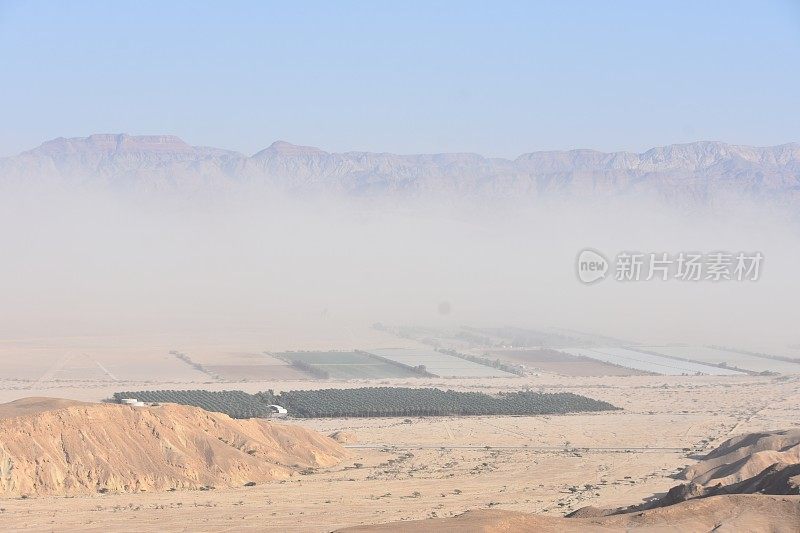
254 367
649 362
439 364
562 363
91 360
717 356
346 365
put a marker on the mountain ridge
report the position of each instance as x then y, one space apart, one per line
279 144
697 172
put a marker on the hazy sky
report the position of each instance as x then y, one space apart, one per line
498 78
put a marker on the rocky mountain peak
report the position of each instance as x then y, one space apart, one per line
113 143
286 149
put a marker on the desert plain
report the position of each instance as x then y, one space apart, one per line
399 469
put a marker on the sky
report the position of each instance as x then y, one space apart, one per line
496 78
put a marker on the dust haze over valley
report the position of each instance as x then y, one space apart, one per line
83 259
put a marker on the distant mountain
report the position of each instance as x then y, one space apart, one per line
699 172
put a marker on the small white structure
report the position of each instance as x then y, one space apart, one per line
278 411
133 402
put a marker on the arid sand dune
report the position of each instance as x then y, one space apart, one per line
60 447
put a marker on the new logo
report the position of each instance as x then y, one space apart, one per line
592 266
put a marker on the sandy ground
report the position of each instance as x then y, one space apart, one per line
426 467
721 514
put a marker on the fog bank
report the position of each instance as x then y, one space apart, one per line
101 264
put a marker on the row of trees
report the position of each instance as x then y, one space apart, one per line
757 354
308 368
197 366
376 401
394 401
511 368
234 403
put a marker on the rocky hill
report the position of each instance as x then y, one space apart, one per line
64 448
757 463
694 173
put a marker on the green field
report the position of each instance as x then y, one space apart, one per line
348 365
